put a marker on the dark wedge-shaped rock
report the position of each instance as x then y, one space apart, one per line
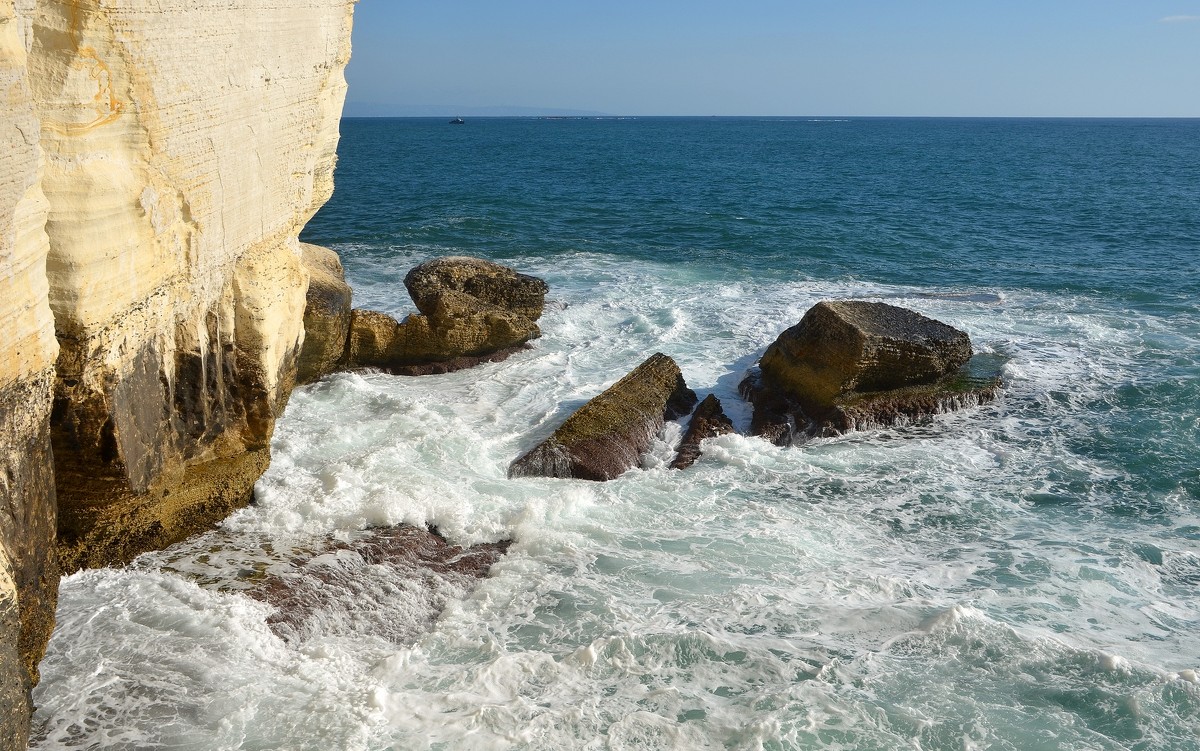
853 365
609 434
708 421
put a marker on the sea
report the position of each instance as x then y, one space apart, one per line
1021 576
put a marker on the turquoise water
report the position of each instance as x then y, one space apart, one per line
1019 576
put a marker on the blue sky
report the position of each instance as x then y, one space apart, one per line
769 57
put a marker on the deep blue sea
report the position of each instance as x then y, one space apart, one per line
1023 576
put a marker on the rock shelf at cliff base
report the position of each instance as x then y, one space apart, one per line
319 581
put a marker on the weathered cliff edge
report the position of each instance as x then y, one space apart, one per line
157 163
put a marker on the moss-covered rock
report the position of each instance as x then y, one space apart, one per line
608 435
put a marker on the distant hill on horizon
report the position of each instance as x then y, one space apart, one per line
375 109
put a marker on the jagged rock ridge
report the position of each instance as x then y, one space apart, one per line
708 421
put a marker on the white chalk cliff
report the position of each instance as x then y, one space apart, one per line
157 163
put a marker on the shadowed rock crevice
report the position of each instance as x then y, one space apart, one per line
608 435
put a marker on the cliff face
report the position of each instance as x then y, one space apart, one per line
28 577
157 162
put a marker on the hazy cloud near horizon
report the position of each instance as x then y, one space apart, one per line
1068 58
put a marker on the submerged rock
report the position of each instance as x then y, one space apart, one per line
471 311
346 588
853 364
708 421
608 435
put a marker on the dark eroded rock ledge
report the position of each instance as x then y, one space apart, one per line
28 566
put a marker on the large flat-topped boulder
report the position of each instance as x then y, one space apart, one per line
609 434
855 346
471 311
851 364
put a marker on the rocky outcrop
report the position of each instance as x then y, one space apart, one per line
155 173
854 365
708 421
179 176
471 311
488 283
608 435
326 314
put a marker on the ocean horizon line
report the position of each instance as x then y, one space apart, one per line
1091 118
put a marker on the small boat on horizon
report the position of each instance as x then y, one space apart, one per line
457 121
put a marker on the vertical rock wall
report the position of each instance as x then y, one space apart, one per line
157 163
28 576
186 144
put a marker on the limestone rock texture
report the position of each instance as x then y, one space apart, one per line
471 311
327 314
489 283
28 571
157 163
608 435
852 364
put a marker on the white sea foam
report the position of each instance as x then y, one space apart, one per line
948 585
